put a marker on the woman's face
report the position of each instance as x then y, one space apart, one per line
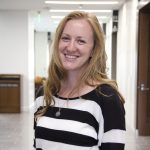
76 45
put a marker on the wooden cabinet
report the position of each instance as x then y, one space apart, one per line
10 93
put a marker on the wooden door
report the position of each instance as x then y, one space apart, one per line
143 90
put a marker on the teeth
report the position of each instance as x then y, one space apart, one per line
71 56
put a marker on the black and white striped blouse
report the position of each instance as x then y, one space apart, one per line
95 121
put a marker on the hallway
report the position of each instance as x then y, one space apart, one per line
18 135
16 130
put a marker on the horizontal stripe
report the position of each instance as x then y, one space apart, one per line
81 104
51 145
114 136
112 146
78 104
67 125
111 106
102 114
75 115
113 113
64 137
38 103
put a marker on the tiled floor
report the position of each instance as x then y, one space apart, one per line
135 142
16 133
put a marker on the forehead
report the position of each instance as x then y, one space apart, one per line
78 26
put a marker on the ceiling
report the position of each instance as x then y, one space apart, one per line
42 15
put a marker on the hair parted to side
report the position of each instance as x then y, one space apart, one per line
95 71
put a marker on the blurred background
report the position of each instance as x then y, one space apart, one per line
27 28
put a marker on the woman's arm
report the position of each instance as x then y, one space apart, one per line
113 112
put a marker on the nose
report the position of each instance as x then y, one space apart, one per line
71 45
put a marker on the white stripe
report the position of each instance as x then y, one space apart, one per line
78 104
81 104
50 145
38 102
114 136
67 125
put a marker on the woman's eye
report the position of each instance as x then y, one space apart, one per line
65 39
81 42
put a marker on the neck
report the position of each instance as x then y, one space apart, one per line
71 80
69 84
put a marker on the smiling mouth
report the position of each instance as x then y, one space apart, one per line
71 56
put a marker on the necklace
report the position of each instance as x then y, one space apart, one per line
58 112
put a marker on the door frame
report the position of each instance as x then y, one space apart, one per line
143 125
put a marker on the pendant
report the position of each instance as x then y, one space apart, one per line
57 113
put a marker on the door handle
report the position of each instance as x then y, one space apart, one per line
143 88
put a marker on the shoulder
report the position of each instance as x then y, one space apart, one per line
106 89
112 108
39 103
106 97
100 93
107 92
111 101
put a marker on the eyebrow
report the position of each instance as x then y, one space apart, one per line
65 34
77 36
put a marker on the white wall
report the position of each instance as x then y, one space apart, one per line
108 46
127 59
15 49
41 54
31 65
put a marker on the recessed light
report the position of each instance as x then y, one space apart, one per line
83 2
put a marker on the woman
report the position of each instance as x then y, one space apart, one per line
81 109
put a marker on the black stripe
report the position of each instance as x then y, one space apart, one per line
64 137
112 108
76 115
113 146
113 113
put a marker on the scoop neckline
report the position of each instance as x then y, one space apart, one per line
77 97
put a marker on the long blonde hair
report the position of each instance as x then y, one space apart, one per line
95 71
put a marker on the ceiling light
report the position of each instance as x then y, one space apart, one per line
83 2
69 10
